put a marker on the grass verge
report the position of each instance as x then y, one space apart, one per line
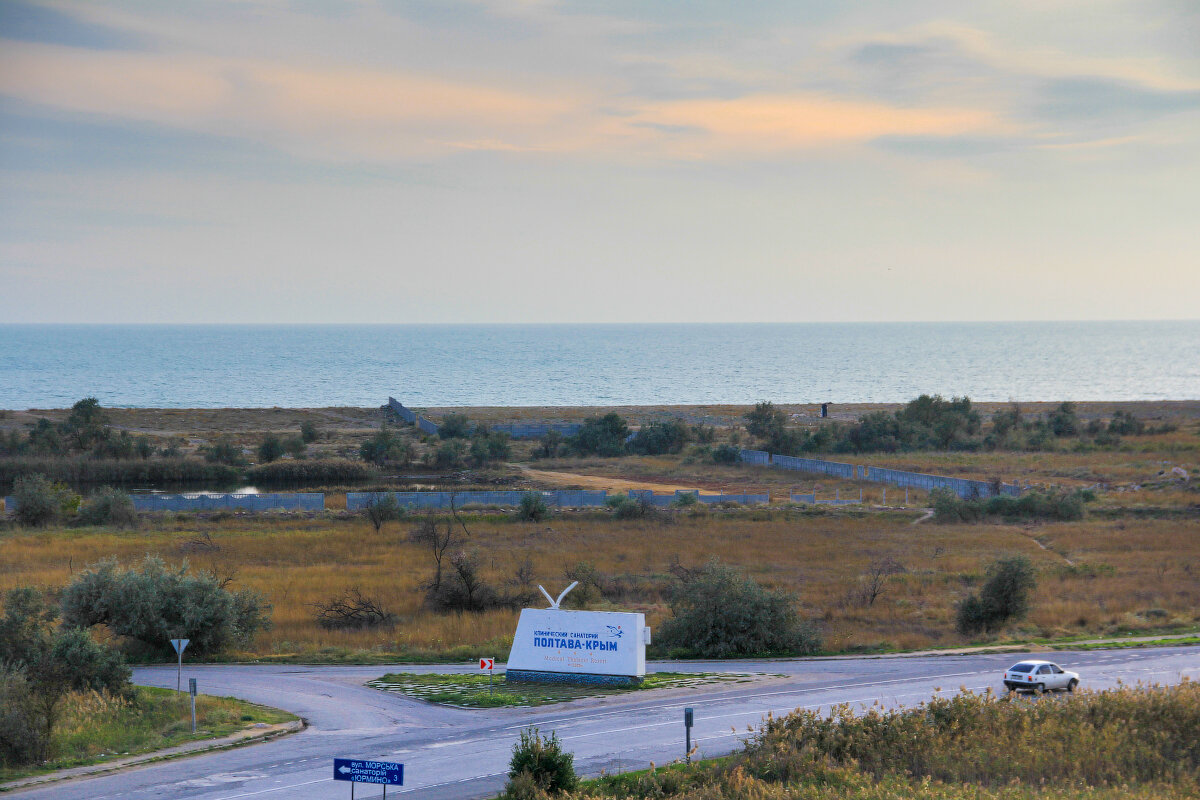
95 728
1129 742
474 691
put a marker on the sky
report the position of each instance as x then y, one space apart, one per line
447 161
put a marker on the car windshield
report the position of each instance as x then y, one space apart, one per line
1021 667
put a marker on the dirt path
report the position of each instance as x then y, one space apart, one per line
593 481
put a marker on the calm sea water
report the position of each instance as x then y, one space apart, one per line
50 366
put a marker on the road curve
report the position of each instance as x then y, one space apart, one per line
455 753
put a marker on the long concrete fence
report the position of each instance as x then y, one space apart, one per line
289 501
516 430
665 500
565 498
965 488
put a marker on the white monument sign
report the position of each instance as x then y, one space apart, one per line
552 644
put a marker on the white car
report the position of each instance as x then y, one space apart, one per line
1039 676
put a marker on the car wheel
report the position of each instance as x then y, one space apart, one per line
1071 686
1039 688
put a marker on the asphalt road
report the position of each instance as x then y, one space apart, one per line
454 753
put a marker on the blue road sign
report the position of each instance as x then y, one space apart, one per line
385 772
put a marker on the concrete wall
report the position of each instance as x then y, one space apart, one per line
426 426
759 458
577 498
402 412
294 501
536 430
832 468
666 500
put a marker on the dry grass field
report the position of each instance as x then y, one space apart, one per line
1100 576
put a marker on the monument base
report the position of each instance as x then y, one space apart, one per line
589 679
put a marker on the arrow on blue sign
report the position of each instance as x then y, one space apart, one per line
385 772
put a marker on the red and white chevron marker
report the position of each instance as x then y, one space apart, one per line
487 664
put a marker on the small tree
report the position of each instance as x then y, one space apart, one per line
455 426
601 436
108 506
533 508
539 763
309 432
40 502
158 603
721 613
765 421
271 449
726 454
383 509
1004 597
224 451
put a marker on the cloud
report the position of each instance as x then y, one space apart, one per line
344 113
1097 99
26 22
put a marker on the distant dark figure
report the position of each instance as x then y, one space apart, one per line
824 410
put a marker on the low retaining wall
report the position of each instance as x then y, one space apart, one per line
293 501
665 500
965 488
426 426
403 413
577 498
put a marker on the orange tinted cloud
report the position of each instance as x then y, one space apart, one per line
336 112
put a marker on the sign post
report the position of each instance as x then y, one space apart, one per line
687 728
386 773
488 665
192 691
180 645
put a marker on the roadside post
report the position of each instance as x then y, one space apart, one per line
180 645
387 773
687 728
488 665
192 692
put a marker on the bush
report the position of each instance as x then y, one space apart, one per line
309 432
450 455
948 507
1004 597
719 613
625 507
539 761
271 449
658 438
311 472
765 421
601 436
40 502
224 451
108 506
489 446
383 509
533 508
22 726
454 426
385 447
463 588
726 454
352 610
158 603
88 471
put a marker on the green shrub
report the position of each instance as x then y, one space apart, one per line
82 471
726 454
658 438
489 446
158 603
386 447
450 455
311 472
601 436
1004 597
108 506
538 762
948 507
718 612
454 426
224 451
271 449
533 508
22 726
625 507
40 502
383 509
309 432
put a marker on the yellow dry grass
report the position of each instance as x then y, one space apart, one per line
1128 575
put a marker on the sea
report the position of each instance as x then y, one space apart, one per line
217 366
